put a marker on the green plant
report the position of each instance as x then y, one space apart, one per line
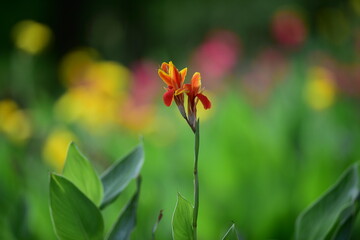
331 217
78 196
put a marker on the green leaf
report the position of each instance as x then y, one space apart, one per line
232 234
127 220
79 171
182 220
325 218
117 177
343 227
74 216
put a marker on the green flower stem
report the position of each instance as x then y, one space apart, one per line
196 180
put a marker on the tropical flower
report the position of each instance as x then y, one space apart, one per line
176 89
194 93
174 79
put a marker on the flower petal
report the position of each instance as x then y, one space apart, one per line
183 75
196 82
171 70
168 97
204 100
187 88
180 91
165 67
174 75
165 77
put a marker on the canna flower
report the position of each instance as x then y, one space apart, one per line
194 93
174 79
176 88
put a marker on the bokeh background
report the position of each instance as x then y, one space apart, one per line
283 78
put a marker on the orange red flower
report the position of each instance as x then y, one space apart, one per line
174 79
194 93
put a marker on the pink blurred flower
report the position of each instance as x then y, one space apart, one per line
288 28
266 70
217 56
137 111
348 78
145 86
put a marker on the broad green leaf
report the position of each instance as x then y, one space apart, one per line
232 234
127 220
343 228
117 177
79 171
329 212
182 220
74 216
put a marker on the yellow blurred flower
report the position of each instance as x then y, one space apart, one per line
107 77
31 36
55 148
320 89
96 91
6 108
90 109
75 64
81 67
14 122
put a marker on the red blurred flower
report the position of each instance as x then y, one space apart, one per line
289 28
268 68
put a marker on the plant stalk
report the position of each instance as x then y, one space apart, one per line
196 180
